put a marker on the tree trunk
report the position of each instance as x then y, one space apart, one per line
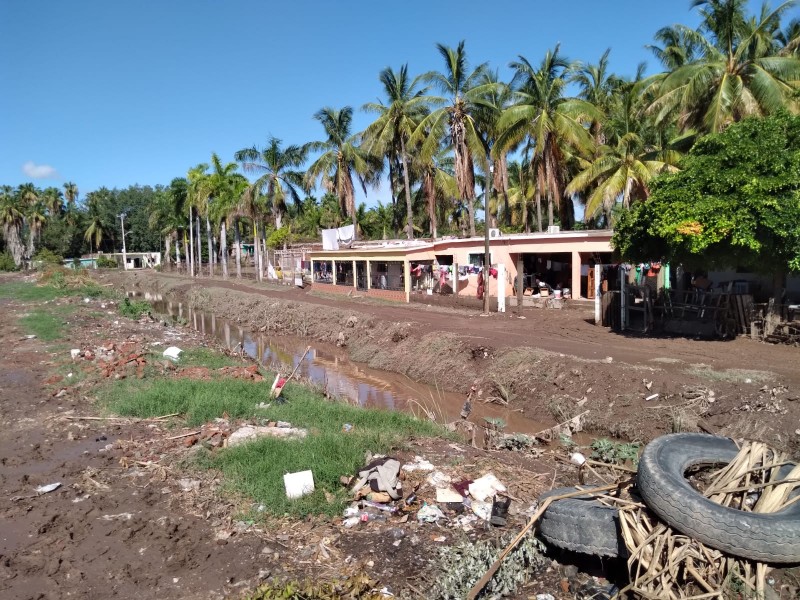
31 247
210 246
167 239
190 247
238 236
549 210
501 183
177 251
409 208
14 244
199 243
223 246
538 209
259 258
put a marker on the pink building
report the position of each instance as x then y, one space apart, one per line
406 270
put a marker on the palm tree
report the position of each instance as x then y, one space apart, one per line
520 194
397 120
12 221
195 177
342 158
53 201
740 71
70 193
222 189
94 233
455 115
438 184
553 123
679 46
279 175
622 171
597 86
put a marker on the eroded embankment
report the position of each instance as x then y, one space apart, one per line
611 397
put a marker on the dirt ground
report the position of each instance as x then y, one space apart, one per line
131 520
553 364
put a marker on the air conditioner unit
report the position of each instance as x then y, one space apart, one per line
553 229
495 233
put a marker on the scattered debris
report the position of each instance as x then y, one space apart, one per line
173 353
252 432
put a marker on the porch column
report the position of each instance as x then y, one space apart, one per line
407 279
369 275
355 276
312 272
575 288
333 266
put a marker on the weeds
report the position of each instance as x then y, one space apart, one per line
731 375
607 451
134 310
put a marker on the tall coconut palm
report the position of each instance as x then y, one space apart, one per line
223 187
279 176
739 73
520 194
553 124
454 117
215 187
12 221
439 186
94 233
342 158
70 193
397 120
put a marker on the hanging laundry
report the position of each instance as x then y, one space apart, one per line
330 239
346 235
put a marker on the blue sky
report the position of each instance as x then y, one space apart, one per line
114 93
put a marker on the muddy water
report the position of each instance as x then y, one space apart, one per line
330 367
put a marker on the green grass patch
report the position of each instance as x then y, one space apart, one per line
731 375
23 291
47 324
206 357
256 469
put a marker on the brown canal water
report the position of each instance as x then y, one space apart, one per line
330 367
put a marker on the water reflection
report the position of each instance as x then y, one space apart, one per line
331 368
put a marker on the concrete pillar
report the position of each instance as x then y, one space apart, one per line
455 280
501 287
597 296
369 275
407 279
333 266
575 288
355 276
520 283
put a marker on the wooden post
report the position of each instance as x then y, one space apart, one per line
455 281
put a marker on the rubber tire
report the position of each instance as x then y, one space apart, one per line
581 524
770 538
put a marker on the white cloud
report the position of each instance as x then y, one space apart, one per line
34 171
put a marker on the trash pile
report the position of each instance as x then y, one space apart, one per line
431 496
688 533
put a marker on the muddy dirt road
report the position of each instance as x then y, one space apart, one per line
106 532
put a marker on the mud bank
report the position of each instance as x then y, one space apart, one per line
635 390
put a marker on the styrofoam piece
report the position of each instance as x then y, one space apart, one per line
298 484
486 487
172 353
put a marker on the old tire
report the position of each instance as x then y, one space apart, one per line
581 524
770 538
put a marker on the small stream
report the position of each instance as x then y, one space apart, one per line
330 367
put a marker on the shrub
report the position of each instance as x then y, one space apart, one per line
279 237
135 309
7 262
104 262
48 257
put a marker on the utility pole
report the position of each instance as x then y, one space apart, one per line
487 254
124 252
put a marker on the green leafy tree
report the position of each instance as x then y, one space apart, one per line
735 203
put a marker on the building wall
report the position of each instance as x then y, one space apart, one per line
505 250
